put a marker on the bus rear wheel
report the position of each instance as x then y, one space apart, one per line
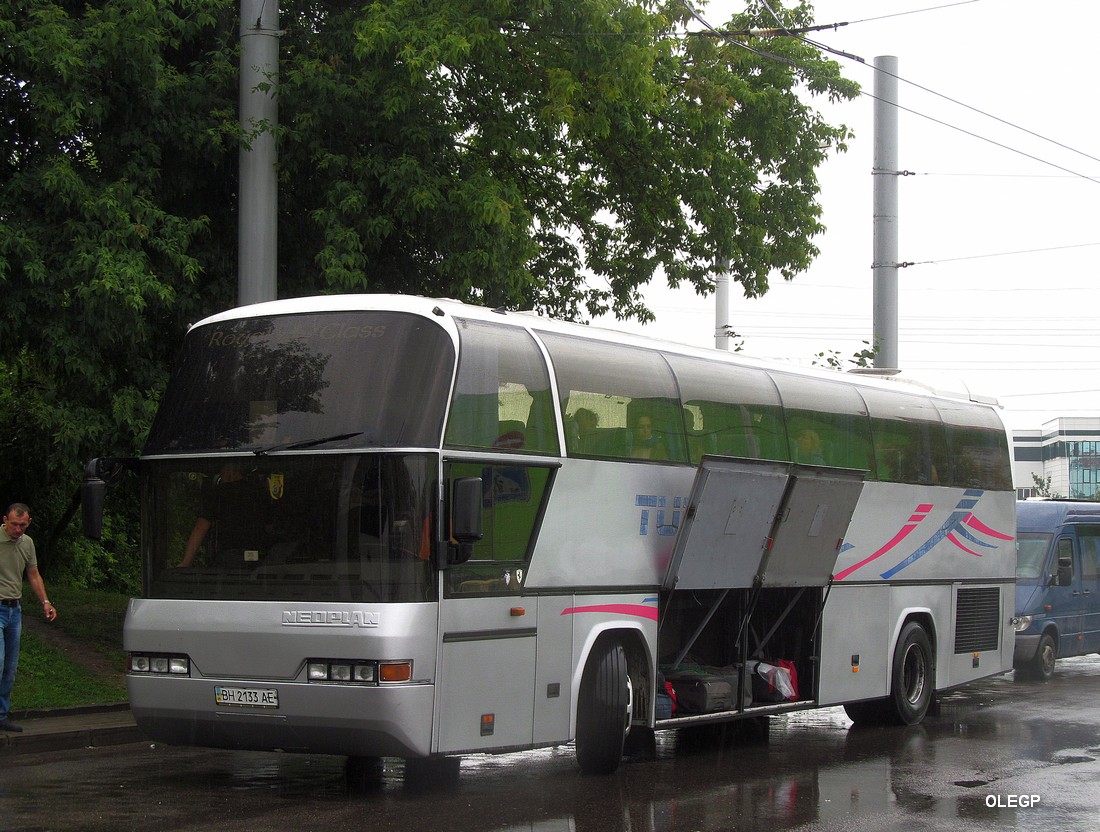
912 684
914 676
603 708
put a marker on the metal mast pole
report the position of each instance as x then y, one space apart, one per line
722 307
258 196
886 213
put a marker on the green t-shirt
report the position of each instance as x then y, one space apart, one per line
15 557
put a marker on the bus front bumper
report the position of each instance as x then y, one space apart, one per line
350 720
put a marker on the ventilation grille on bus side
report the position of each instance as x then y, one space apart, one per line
978 620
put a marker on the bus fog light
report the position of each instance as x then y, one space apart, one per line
394 671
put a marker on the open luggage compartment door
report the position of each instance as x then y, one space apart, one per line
817 509
762 523
728 525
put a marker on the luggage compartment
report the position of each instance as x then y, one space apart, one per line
710 641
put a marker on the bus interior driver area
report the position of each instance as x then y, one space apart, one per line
329 527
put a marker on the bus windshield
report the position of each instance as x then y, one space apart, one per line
326 380
326 527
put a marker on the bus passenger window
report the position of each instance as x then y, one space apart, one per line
502 397
977 446
629 391
729 410
835 412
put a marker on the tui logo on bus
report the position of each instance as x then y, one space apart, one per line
660 515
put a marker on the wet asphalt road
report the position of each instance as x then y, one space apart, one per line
999 755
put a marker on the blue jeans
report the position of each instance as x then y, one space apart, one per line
11 623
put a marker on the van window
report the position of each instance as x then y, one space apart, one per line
1063 565
1031 554
1089 538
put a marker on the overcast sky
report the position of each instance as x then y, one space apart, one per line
1017 326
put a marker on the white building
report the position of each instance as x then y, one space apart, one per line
1066 450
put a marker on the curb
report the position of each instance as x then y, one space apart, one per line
66 729
77 710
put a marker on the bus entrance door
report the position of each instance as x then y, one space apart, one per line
485 696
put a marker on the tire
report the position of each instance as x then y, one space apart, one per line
641 743
364 773
603 709
871 712
1042 666
913 680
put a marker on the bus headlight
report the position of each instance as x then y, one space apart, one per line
160 664
342 671
1021 622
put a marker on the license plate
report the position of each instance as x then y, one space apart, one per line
253 697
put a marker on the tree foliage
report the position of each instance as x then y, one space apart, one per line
526 153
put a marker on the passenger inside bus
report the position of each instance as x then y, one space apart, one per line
648 442
808 448
587 424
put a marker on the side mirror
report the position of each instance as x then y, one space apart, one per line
92 491
466 523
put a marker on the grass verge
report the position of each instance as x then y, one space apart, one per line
83 662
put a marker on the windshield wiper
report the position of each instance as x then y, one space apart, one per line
306 443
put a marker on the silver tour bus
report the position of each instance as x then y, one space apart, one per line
396 526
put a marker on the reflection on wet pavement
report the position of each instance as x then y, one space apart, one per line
997 754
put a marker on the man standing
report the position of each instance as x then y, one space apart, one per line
17 558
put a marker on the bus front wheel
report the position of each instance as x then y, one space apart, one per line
603 708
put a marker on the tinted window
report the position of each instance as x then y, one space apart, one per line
327 527
617 401
512 500
827 422
907 435
1089 538
729 410
502 397
261 382
977 447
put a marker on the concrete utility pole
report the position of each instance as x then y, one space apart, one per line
886 213
258 194
722 306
